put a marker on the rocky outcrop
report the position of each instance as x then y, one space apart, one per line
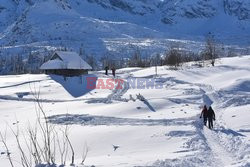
238 8
65 22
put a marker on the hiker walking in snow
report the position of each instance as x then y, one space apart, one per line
211 117
113 71
106 70
204 114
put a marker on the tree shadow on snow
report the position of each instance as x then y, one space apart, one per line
75 86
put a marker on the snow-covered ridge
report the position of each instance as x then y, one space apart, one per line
72 23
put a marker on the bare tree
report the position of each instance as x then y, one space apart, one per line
82 53
3 140
106 60
173 57
84 153
136 59
210 51
231 52
91 61
40 146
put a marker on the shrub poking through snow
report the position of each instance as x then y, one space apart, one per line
140 97
45 145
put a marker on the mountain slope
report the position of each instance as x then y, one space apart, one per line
94 22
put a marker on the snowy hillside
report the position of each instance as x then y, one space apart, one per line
162 130
96 24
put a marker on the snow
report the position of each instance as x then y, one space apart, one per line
68 60
101 26
54 64
162 130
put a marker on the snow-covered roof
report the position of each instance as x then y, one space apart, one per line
65 60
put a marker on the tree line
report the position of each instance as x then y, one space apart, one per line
174 57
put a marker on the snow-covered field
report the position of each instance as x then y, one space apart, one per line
164 130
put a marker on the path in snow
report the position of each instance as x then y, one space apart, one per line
212 147
116 94
91 120
23 83
222 156
11 98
